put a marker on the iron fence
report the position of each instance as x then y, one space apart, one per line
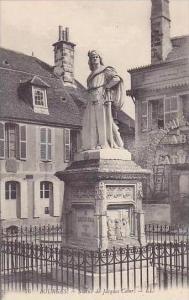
156 233
29 266
53 234
41 234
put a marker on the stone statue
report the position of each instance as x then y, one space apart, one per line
111 229
105 89
125 228
118 230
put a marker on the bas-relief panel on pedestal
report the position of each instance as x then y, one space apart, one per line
118 224
120 219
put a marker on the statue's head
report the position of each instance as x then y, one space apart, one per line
93 54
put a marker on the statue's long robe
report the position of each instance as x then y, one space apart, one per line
99 129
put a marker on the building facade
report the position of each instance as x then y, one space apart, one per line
41 109
161 94
40 121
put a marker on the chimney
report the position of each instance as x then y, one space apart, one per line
160 31
64 56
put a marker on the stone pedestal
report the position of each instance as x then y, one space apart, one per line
103 200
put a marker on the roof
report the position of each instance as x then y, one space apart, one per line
65 103
125 119
17 68
180 50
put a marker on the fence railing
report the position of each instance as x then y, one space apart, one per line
41 234
53 234
156 233
26 266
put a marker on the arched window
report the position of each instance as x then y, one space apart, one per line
45 189
11 190
46 195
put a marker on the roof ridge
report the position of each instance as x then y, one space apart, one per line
17 52
29 56
180 36
24 72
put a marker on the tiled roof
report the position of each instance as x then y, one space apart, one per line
17 68
180 50
65 103
37 81
125 119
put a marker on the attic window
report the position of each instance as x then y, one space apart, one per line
39 97
40 100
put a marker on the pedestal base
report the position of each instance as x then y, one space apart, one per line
103 200
144 278
109 153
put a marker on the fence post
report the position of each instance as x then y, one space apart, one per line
23 277
153 265
99 270
107 278
165 273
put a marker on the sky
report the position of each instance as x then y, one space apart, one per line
118 29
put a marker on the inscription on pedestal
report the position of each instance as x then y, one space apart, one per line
120 193
85 223
82 192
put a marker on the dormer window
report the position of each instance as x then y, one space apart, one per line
34 91
39 95
40 98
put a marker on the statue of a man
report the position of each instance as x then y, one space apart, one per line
105 90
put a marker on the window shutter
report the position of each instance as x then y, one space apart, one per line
66 144
43 144
46 144
144 115
2 140
23 146
49 144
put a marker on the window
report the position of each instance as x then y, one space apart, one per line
45 144
11 190
22 142
67 148
46 196
45 189
171 109
73 143
160 111
185 105
71 138
156 118
40 100
144 116
40 97
46 210
2 140
13 141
